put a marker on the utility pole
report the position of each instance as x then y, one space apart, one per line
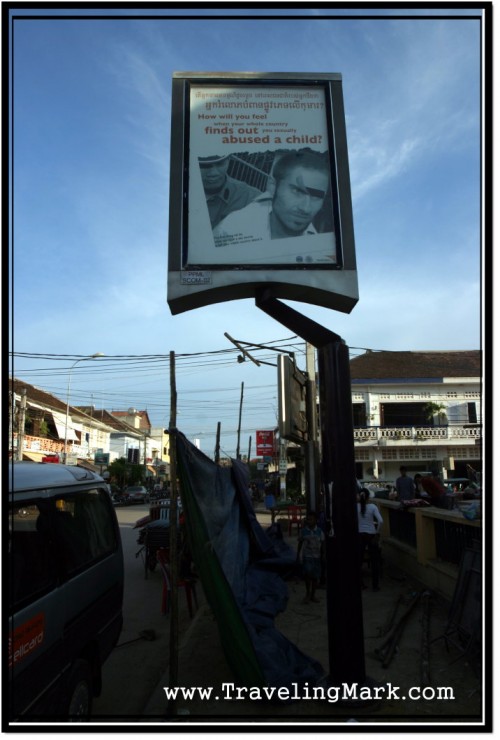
91 425
20 428
217 445
311 447
238 456
282 460
145 457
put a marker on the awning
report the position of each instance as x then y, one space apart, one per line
34 456
82 463
60 422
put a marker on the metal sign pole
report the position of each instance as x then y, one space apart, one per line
345 611
344 604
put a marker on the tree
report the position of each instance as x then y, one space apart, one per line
118 471
435 409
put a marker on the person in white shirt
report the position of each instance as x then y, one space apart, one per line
369 522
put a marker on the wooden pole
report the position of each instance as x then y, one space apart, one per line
174 600
217 444
238 456
20 428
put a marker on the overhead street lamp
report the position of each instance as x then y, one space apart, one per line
241 358
80 359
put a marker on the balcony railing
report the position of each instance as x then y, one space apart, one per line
45 445
416 434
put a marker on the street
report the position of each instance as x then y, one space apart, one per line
134 669
135 673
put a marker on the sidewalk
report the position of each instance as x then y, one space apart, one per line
201 663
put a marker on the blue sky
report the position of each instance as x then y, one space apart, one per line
91 112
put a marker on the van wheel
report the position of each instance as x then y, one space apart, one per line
79 691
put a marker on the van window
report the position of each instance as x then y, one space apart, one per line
32 568
52 539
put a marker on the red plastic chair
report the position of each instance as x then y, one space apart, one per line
188 584
294 517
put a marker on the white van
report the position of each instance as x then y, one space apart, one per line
65 568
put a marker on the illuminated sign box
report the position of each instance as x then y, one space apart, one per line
259 190
292 416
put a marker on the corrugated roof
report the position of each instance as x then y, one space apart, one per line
36 397
110 419
391 365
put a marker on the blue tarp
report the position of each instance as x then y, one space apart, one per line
251 564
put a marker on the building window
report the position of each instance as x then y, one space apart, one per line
362 454
403 415
472 413
51 539
359 414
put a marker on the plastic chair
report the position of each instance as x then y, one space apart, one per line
187 584
294 514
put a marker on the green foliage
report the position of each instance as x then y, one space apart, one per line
118 471
124 474
435 409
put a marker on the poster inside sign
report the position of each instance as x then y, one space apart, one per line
260 177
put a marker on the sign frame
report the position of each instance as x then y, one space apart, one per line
319 267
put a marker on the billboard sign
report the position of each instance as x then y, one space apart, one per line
264 442
259 190
101 458
292 400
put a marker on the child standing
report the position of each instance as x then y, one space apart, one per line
369 521
311 545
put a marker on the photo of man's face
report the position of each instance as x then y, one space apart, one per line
298 197
213 175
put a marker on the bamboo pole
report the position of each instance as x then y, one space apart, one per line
174 600
425 674
386 651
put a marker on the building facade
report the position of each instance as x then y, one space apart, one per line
418 409
41 426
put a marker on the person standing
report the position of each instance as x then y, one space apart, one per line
404 486
311 546
369 521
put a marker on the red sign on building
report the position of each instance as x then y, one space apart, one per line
265 442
